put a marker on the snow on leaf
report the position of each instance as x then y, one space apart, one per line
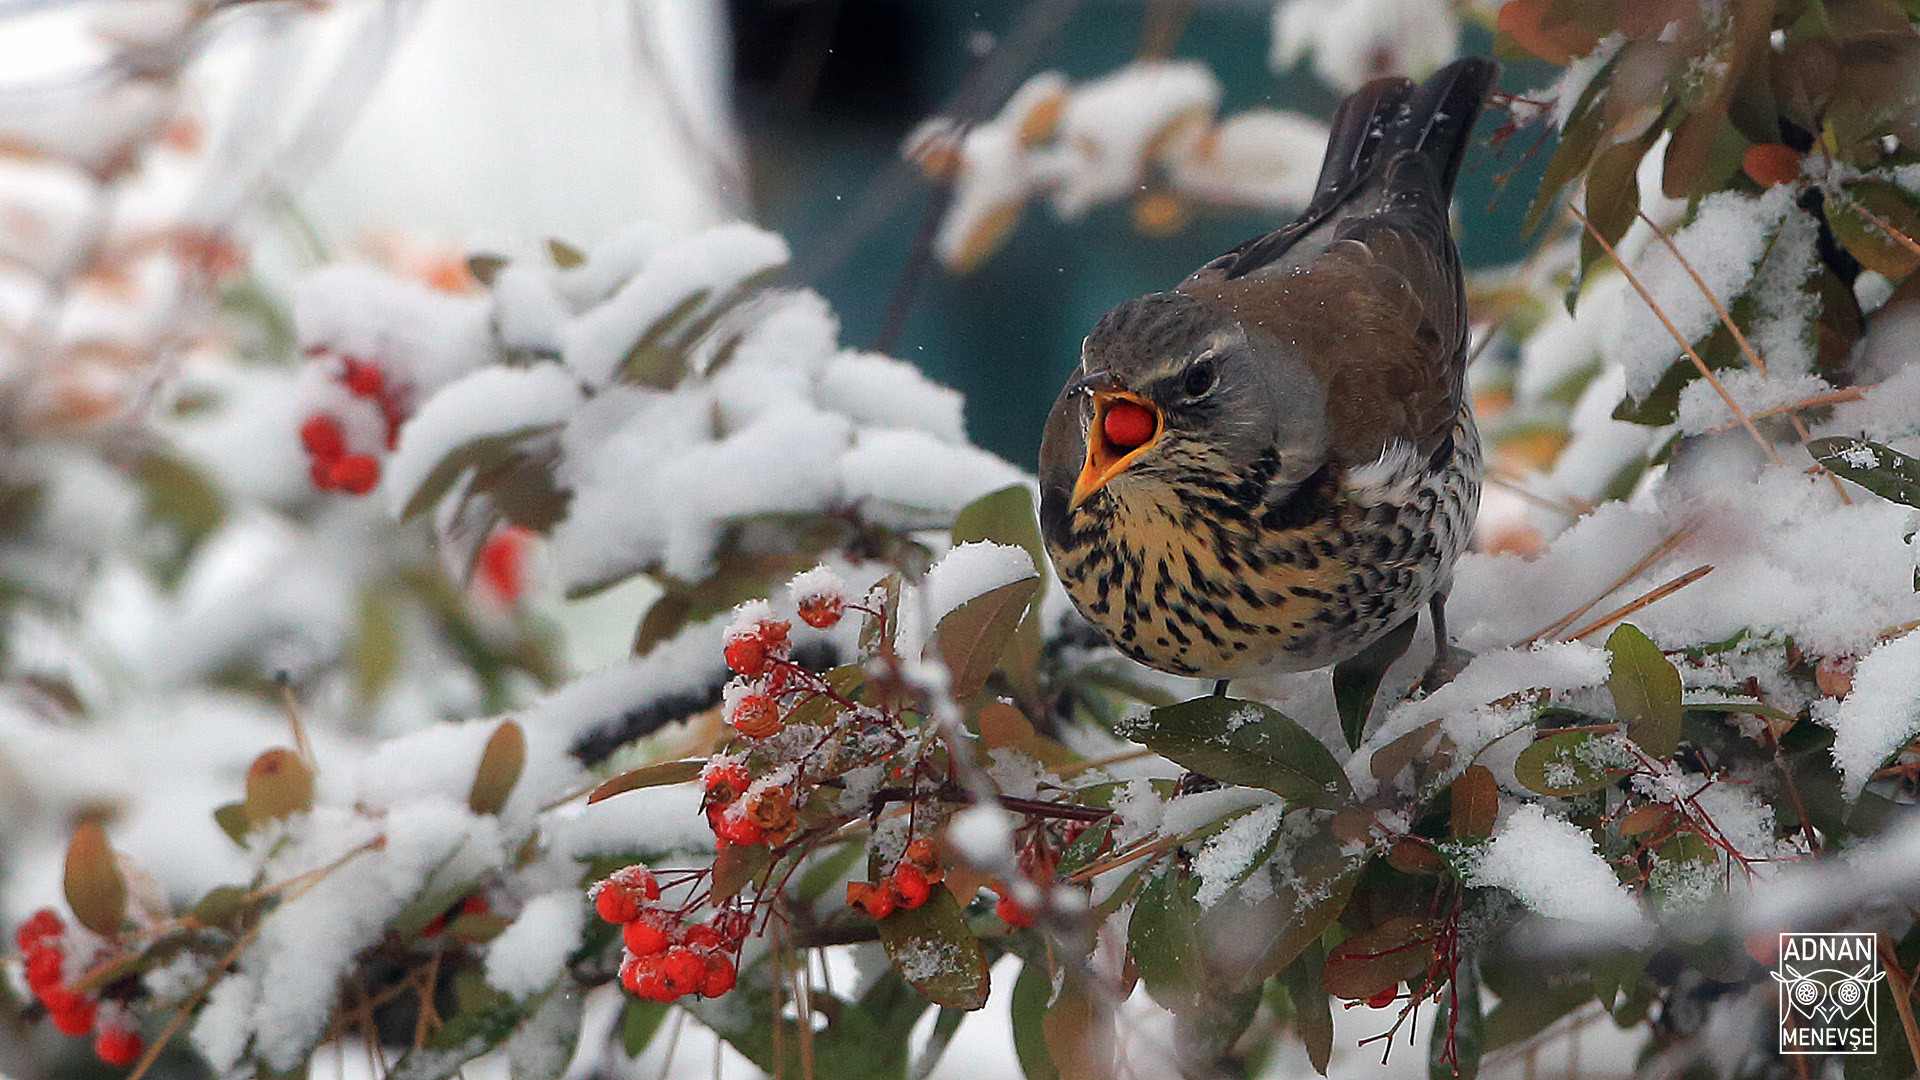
1550 865
1879 715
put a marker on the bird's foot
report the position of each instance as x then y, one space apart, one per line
1443 669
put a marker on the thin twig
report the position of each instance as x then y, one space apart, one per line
1902 989
1740 339
1075 768
1659 551
1508 481
1632 606
1685 345
300 742
193 1001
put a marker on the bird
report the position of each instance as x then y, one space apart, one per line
1273 466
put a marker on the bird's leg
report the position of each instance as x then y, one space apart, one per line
1447 660
1220 687
1357 679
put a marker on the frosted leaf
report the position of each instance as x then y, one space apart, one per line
971 570
1702 409
1231 851
1723 244
531 953
1879 715
910 479
1110 125
1550 865
494 401
715 261
1353 41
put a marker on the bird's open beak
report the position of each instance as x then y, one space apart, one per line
1105 459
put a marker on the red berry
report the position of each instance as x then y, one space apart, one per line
615 904
683 971
719 978
632 969
911 885
39 926
43 969
920 852
500 564
362 379
71 1014
701 937
321 473
723 781
474 905
643 938
637 880
756 716
740 831
1128 425
323 437
355 474
821 612
1011 913
117 1046
1384 998
747 655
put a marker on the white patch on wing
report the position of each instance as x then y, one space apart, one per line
1392 476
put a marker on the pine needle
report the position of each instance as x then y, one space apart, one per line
1640 565
1628 608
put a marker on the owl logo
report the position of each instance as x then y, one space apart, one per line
1827 993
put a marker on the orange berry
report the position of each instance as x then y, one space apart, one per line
117 1046
43 970
1011 913
638 880
615 905
631 970
739 831
683 971
719 978
911 885
701 937
1384 998
821 612
1768 164
756 716
723 781
920 852
878 903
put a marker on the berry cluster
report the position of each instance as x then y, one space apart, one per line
909 886
742 812
664 957
332 464
116 1039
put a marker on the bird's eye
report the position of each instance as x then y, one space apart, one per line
1199 378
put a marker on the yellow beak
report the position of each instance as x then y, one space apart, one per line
1105 460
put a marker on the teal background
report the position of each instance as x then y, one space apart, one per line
1007 334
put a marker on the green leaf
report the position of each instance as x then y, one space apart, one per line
826 871
1244 742
221 905
376 641
1868 240
1357 679
1031 992
646 776
95 890
932 948
232 819
1738 708
477 453
1311 893
500 766
1162 942
1646 691
1312 1005
1567 763
1882 470
1007 517
972 636
638 1023
1579 138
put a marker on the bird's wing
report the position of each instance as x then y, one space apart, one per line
1365 286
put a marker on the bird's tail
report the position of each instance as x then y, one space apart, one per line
1436 118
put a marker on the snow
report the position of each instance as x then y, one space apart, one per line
493 402
1702 409
1353 41
532 951
1266 158
878 391
1723 244
1566 92
404 326
1231 852
983 835
1879 715
910 479
710 264
1550 865
972 570
1114 126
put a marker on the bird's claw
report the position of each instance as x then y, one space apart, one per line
1443 669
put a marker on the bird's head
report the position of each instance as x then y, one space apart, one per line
1169 390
